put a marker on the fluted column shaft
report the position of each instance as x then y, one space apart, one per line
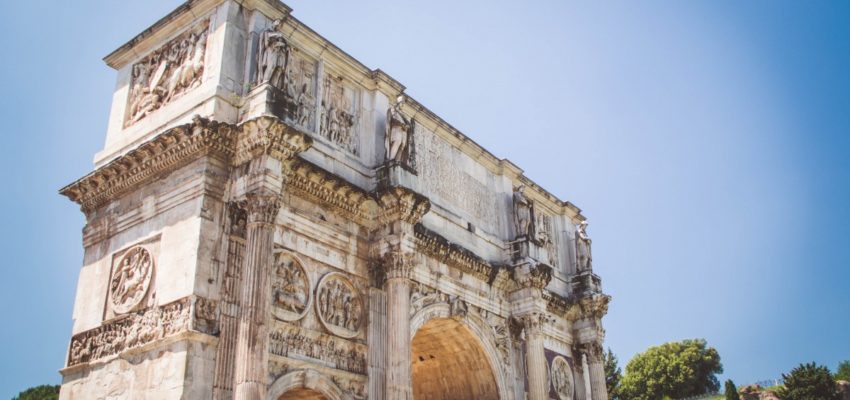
596 367
397 286
535 358
252 343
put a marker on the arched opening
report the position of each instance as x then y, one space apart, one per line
302 394
450 364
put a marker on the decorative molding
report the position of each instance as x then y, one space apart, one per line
268 135
164 153
310 181
401 204
453 255
142 327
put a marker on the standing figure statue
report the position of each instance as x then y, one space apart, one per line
272 56
584 259
397 130
522 212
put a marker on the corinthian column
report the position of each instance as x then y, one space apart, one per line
397 286
535 358
251 366
596 368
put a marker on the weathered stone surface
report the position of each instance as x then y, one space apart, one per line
270 219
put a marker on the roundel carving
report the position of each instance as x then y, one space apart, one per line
562 378
290 288
338 305
131 280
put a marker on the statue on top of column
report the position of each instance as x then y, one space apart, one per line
522 212
272 56
397 132
584 259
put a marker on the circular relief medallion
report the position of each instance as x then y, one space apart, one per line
131 280
562 378
339 305
290 288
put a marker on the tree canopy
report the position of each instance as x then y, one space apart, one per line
42 392
843 372
613 374
809 382
731 391
675 369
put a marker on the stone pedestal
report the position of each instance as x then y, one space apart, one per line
251 369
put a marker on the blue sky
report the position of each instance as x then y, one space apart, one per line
707 142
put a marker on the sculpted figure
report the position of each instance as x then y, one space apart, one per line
397 130
584 259
272 56
305 107
522 212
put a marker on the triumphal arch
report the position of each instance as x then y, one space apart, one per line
271 219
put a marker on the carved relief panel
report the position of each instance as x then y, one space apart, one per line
299 91
339 305
339 113
562 378
131 279
167 73
291 293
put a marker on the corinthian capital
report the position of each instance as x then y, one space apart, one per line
262 207
397 264
593 350
532 322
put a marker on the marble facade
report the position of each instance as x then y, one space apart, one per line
271 219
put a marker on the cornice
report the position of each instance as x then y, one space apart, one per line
163 153
453 255
309 181
268 135
401 204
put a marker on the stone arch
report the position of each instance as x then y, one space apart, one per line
306 379
479 330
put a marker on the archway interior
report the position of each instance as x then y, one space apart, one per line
449 364
302 394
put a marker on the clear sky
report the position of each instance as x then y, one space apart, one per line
708 143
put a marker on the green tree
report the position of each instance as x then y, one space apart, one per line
613 374
42 392
731 391
809 382
843 372
675 369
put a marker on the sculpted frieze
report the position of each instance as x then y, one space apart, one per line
131 279
168 73
143 327
294 342
290 288
339 305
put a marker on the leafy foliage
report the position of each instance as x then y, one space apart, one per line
809 382
41 392
613 374
843 372
731 391
675 369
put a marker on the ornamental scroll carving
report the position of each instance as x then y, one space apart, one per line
168 73
339 305
130 280
562 378
290 288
